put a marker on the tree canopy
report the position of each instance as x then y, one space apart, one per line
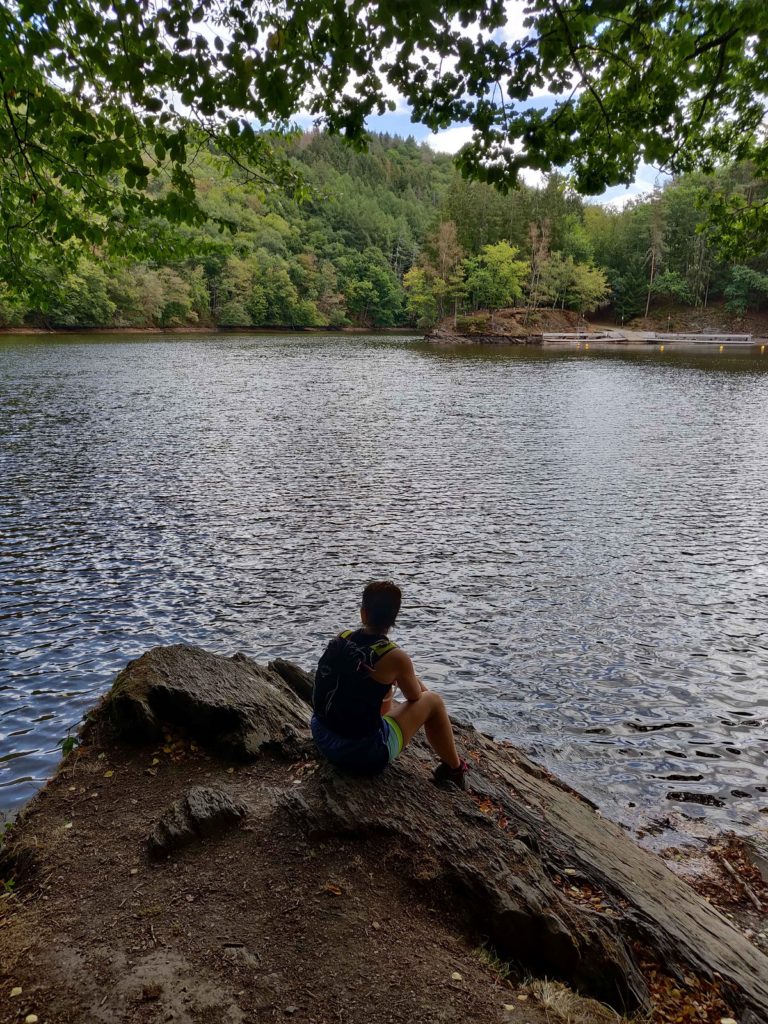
103 101
394 235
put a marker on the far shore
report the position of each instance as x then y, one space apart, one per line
198 329
630 341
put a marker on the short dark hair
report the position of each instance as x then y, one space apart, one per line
381 602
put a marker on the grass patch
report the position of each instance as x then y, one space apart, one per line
564 1006
488 956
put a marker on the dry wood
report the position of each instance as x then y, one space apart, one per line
742 882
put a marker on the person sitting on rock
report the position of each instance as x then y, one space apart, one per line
356 724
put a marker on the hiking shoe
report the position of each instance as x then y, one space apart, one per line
444 775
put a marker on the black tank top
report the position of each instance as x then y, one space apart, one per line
346 698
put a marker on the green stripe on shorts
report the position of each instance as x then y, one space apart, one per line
395 739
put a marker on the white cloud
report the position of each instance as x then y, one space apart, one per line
451 140
514 29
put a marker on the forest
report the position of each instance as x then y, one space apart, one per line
395 236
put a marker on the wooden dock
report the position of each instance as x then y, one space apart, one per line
649 337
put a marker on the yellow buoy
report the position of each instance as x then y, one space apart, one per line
722 347
762 348
661 348
586 345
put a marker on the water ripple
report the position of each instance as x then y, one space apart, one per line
581 540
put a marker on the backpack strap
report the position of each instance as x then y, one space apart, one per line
383 647
378 650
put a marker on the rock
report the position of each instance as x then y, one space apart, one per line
300 682
231 704
203 812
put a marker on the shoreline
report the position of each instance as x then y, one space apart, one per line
64 332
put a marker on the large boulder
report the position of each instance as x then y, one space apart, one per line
231 705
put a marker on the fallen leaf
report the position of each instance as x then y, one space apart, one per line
16 991
31 1019
69 824
155 760
134 871
334 890
456 976
108 775
376 925
522 998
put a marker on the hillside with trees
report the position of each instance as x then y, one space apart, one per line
394 236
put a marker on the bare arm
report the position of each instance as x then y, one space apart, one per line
407 680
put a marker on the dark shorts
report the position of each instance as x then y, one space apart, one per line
365 756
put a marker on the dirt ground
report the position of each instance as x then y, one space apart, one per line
257 925
516 322
519 322
262 923
684 319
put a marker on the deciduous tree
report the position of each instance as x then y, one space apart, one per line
104 102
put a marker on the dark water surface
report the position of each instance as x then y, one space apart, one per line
582 540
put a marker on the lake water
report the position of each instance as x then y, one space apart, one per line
581 539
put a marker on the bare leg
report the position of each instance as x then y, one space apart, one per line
428 711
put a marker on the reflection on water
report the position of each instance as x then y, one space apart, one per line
581 538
